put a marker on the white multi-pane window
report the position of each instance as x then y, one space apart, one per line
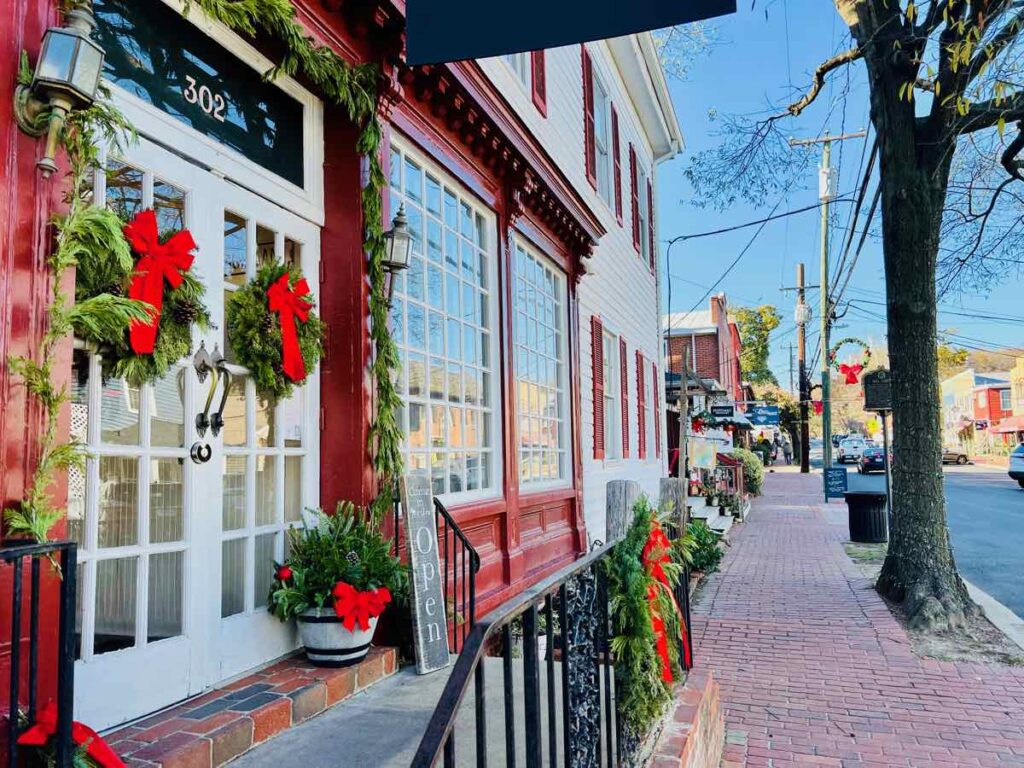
603 140
519 63
645 214
612 398
651 405
541 353
442 320
1005 399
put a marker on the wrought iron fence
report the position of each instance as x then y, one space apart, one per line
36 557
460 563
564 692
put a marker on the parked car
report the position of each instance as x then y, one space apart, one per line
953 456
1017 465
871 460
850 450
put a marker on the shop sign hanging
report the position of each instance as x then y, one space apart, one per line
162 58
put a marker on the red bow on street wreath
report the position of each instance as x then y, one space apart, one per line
654 556
158 262
46 726
851 372
290 303
353 606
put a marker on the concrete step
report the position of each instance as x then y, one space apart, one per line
721 524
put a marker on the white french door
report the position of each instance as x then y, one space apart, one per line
176 557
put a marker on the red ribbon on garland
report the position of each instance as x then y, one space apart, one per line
46 726
654 556
355 607
851 372
158 262
290 303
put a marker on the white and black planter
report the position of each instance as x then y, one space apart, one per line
328 643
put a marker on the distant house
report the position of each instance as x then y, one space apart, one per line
706 343
962 424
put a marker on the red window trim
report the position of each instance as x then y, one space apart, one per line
624 395
597 367
650 227
538 82
589 140
641 408
656 411
617 154
634 197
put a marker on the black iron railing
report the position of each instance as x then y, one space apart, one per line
37 557
569 718
460 563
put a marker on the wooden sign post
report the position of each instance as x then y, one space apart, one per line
430 622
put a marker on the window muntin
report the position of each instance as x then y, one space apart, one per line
612 398
541 353
442 320
602 140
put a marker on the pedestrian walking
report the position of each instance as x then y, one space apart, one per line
787 449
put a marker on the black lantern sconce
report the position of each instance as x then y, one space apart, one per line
399 251
67 77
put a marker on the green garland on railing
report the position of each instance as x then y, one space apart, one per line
354 89
104 317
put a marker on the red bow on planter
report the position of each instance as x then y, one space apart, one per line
353 606
290 303
851 372
159 261
46 726
654 556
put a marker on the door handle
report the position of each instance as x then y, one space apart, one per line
221 367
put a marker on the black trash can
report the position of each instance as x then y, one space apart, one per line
867 517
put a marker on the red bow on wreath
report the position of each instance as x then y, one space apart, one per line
159 261
696 424
353 606
654 556
290 303
851 372
46 726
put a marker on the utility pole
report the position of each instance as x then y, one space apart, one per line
803 316
791 390
826 193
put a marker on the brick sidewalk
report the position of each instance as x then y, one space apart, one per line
814 669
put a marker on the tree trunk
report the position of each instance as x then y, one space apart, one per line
919 570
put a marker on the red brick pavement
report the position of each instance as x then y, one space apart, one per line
816 672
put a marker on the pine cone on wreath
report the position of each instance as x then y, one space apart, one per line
186 312
269 323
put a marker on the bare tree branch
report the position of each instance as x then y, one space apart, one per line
1009 159
818 82
987 114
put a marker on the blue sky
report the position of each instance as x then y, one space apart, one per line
756 57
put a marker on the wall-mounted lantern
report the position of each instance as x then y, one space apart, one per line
399 250
66 77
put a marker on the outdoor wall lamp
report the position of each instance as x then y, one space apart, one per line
399 250
67 77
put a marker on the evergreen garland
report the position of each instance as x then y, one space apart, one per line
354 89
82 230
254 333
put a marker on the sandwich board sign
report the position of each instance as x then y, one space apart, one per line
430 622
835 482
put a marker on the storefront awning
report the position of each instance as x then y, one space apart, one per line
1012 424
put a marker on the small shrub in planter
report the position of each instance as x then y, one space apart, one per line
705 553
753 470
339 577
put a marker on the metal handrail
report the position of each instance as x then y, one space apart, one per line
437 737
64 554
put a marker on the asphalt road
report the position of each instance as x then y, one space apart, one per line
986 522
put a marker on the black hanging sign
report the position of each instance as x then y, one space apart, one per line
162 58
430 622
451 30
723 411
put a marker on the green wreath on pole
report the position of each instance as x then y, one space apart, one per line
850 371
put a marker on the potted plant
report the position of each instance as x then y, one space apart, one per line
338 578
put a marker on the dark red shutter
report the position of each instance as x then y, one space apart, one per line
597 355
540 85
634 198
624 392
617 155
590 148
641 415
650 225
656 410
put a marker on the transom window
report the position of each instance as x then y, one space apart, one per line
442 319
540 365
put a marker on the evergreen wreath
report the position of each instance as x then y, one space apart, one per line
104 270
253 331
851 372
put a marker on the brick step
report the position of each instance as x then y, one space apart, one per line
209 730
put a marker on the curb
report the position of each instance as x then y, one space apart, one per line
1005 620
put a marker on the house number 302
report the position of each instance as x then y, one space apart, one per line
211 103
